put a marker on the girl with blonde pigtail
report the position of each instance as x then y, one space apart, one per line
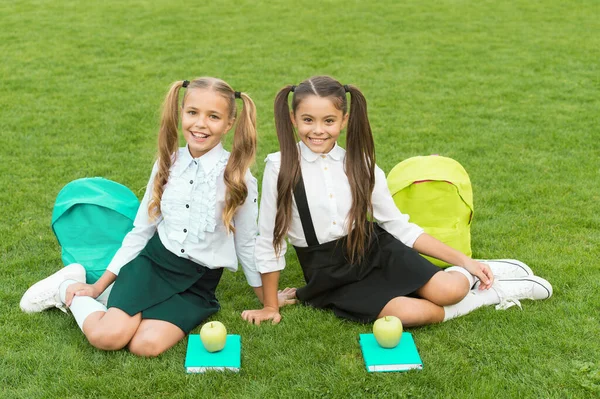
359 254
197 217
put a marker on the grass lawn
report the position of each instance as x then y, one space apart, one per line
509 89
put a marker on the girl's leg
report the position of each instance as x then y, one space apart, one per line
445 296
413 311
153 337
447 287
110 330
105 329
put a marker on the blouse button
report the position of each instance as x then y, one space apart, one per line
187 205
182 250
325 168
323 156
185 230
191 182
333 223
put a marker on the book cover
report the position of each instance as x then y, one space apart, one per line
199 360
401 358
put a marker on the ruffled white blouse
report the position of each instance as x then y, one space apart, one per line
190 225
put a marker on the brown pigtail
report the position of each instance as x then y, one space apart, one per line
360 169
290 167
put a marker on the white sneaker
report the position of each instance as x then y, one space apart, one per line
44 294
512 290
508 268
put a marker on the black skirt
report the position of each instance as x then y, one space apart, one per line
359 292
163 286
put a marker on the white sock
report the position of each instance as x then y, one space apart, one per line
62 289
488 297
83 306
474 300
103 298
464 272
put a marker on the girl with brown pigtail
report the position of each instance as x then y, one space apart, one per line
359 254
197 217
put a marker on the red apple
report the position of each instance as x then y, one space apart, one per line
213 336
387 331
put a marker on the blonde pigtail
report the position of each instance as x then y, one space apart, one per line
167 146
242 156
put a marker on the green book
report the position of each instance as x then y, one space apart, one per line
401 358
199 360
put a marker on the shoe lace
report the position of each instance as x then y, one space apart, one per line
506 301
45 300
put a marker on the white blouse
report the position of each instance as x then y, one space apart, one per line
190 225
329 199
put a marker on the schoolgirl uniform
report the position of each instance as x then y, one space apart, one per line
168 269
322 202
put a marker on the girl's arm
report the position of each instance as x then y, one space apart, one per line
91 290
138 237
430 246
397 224
270 310
246 230
285 297
268 263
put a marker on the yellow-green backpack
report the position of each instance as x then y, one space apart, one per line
436 193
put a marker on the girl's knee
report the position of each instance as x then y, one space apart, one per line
398 307
445 289
147 344
451 294
413 311
108 339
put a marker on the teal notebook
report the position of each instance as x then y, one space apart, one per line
199 360
401 358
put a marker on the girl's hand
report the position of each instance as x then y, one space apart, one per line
257 316
287 297
481 271
80 289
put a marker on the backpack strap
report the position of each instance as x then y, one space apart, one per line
304 211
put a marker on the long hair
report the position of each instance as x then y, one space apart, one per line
242 152
359 163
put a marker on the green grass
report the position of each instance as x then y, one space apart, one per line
509 89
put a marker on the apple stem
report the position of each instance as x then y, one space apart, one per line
211 325
387 318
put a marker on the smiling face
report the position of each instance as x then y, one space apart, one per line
318 123
205 120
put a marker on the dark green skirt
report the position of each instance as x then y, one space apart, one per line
163 286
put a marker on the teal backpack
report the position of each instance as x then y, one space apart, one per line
91 217
436 193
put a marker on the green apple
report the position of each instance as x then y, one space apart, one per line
387 331
213 336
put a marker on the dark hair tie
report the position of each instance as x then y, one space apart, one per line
237 94
293 89
186 83
346 88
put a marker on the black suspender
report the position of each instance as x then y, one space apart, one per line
304 211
